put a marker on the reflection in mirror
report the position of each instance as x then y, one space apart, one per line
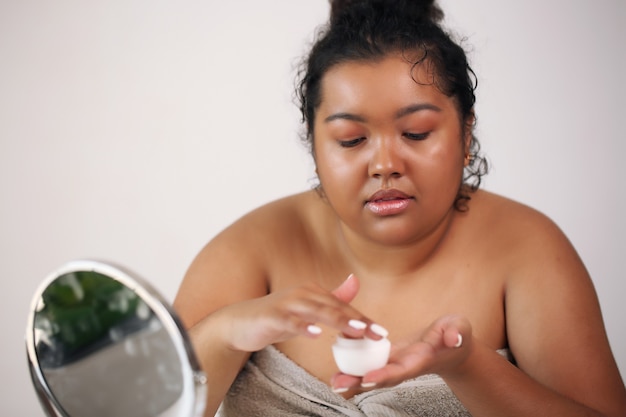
102 344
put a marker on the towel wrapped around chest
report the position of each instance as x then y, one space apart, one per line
270 384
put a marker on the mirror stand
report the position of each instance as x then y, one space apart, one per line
101 341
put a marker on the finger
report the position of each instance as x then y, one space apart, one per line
452 338
313 330
403 364
453 329
336 315
317 307
348 289
376 332
341 382
305 315
448 332
361 326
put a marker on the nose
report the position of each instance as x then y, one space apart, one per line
387 160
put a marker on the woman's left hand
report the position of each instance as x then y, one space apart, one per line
441 348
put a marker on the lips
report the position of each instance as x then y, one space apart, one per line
388 202
385 195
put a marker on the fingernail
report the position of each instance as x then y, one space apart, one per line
313 329
459 340
379 330
368 384
357 324
340 390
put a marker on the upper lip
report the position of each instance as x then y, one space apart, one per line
388 194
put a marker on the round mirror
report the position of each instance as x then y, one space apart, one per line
102 342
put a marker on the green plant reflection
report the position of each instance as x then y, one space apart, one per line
83 311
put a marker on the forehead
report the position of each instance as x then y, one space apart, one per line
379 87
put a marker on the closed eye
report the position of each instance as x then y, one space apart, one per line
351 143
416 136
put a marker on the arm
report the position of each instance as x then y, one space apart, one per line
222 274
225 302
555 331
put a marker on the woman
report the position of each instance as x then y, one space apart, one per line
481 291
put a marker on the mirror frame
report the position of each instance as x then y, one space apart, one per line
195 380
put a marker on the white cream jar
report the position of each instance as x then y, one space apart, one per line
360 356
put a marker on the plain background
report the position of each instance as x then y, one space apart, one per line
133 131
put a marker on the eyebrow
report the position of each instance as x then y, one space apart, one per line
405 111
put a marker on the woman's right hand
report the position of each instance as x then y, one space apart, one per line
254 324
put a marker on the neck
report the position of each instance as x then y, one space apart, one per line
368 257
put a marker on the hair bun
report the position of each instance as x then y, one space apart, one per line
419 10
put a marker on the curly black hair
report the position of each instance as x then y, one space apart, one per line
366 30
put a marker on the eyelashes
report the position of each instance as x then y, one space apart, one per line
416 136
351 143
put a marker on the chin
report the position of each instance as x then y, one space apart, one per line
393 236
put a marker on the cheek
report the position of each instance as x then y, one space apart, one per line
450 172
447 157
447 151
333 170
338 172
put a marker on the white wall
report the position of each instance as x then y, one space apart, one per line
136 130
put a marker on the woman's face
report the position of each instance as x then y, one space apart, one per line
389 151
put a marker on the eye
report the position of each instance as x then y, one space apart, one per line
351 143
416 136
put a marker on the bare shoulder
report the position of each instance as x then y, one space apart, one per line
235 264
510 216
284 223
553 317
515 230
534 249
280 215
534 257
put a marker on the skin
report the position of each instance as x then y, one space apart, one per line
500 274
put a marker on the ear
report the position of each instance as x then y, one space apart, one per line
468 131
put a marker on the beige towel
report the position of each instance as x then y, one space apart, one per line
272 385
